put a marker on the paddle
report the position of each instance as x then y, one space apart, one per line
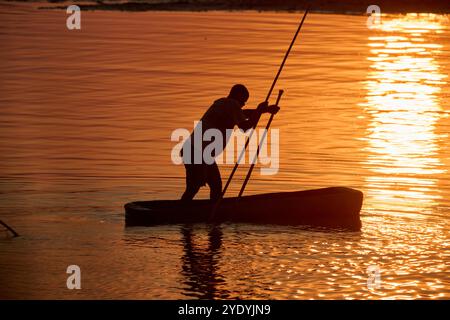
256 122
280 93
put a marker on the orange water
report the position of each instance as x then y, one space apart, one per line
86 119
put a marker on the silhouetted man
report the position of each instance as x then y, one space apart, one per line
224 114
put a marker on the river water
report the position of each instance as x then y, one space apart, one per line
86 120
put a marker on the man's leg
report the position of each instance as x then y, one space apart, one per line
214 181
193 182
190 192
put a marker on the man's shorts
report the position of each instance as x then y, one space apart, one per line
201 174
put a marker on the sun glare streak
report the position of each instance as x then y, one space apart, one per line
402 86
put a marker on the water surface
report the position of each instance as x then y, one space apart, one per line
86 119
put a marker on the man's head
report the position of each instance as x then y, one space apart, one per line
239 93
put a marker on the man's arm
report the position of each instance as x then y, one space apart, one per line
252 115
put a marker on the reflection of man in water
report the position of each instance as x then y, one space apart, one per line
200 265
224 114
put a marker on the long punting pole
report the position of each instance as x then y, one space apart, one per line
254 126
280 93
267 99
15 234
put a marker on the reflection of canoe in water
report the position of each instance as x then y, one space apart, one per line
335 207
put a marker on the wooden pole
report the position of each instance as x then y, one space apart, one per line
217 204
15 234
267 99
280 93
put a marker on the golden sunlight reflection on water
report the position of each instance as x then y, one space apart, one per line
403 87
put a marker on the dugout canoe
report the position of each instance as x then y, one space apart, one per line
335 207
